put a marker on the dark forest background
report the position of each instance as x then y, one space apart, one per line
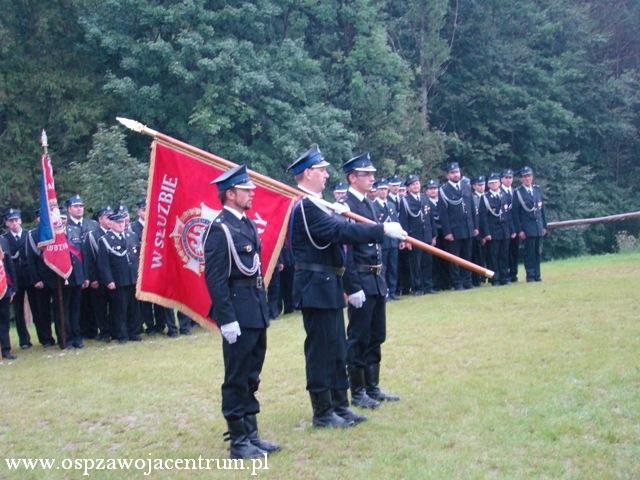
488 83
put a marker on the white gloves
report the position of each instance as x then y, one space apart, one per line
230 331
357 299
394 230
340 208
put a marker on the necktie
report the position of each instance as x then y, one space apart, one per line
17 238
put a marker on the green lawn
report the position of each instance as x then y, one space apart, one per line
527 381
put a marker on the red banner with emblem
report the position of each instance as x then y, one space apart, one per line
181 204
4 283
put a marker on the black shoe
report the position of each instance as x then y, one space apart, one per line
323 414
251 427
78 344
9 356
538 279
418 293
135 338
151 331
172 334
359 397
372 379
122 341
26 346
48 344
458 287
340 401
185 332
430 291
241 447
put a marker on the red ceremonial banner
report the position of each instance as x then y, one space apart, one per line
181 204
3 275
51 232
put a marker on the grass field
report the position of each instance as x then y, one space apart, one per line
534 380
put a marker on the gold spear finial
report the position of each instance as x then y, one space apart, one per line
136 126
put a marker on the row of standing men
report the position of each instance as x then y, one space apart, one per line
98 297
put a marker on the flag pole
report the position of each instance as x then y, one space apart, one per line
294 192
62 340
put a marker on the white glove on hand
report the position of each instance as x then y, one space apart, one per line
394 230
357 299
230 332
340 208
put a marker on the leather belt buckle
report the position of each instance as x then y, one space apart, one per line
377 269
340 271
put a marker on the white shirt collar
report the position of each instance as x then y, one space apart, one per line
141 221
236 214
505 188
18 234
76 220
104 230
380 201
434 200
495 193
356 193
306 190
393 196
455 184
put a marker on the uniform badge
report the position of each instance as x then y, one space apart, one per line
248 248
188 235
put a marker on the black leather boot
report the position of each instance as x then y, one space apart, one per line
359 396
372 378
241 447
251 427
340 401
323 414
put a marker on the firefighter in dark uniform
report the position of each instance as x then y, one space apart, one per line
97 291
514 243
8 273
39 296
340 191
318 235
366 288
417 220
45 287
155 317
239 307
386 212
478 247
495 229
440 266
75 218
118 258
16 237
401 265
458 224
530 222
74 285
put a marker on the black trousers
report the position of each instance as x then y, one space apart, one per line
404 271
325 349
243 362
273 295
5 340
532 257
479 257
514 246
155 317
100 301
40 304
498 260
415 269
461 248
390 262
366 332
286 288
88 320
441 267
427 271
125 314
185 322
18 314
72 298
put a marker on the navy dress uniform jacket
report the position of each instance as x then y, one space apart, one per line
456 218
324 290
230 303
387 212
78 253
19 257
418 221
92 248
528 211
9 270
499 227
362 255
118 259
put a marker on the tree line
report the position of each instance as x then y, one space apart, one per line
488 83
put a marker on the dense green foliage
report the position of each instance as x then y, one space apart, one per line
491 84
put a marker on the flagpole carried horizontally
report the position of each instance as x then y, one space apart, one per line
294 192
